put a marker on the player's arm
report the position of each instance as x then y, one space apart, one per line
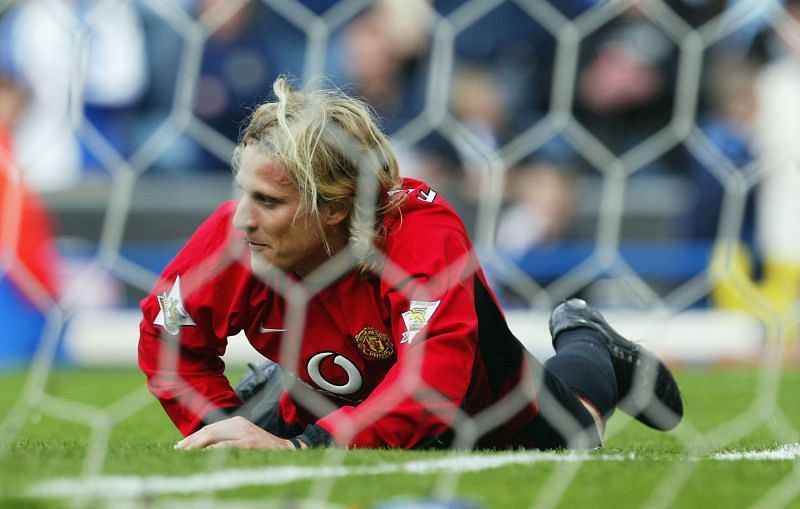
188 382
184 329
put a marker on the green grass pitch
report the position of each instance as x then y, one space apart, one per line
731 409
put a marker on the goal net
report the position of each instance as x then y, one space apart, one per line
637 154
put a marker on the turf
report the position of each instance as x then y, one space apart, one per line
101 422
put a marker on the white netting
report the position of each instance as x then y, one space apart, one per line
465 122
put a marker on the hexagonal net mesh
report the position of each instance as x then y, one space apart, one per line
636 154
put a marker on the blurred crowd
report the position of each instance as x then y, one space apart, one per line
87 84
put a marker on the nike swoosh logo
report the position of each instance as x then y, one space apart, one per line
264 330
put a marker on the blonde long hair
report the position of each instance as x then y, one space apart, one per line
333 150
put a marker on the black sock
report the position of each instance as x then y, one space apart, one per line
583 363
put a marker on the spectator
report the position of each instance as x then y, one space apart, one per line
241 56
728 125
382 53
42 50
777 123
776 149
29 264
542 203
479 101
625 86
515 47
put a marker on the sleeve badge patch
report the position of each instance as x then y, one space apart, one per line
374 343
417 317
173 315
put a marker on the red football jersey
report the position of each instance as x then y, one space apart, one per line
380 361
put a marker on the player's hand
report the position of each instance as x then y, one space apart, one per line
235 432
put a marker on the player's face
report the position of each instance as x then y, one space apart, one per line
280 234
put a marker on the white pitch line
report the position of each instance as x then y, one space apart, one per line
135 486
786 452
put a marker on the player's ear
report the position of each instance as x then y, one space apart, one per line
336 211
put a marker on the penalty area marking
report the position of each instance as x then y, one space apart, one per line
136 486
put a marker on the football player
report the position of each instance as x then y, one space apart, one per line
363 290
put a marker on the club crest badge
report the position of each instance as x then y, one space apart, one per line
374 343
416 318
173 315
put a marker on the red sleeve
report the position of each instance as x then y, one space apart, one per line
428 285
187 319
